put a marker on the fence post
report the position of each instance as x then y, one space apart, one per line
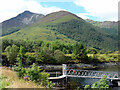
64 69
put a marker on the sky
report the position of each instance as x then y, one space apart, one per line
98 10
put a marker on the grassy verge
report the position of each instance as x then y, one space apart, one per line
15 82
106 57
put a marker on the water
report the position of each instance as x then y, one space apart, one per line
74 82
81 82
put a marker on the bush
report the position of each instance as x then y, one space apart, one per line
102 83
87 87
33 73
44 78
50 85
59 57
29 59
44 55
22 51
19 67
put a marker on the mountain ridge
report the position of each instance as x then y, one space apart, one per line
65 26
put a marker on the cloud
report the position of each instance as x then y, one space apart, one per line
102 9
11 8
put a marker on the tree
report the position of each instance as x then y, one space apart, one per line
79 52
92 51
22 50
44 54
59 56
11 53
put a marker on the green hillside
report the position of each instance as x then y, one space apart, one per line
38 30
67 27
86 33
38 33
110 27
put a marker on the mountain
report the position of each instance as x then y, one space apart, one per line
105 24
21 20
110 27
67 27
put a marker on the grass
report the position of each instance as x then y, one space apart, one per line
4 83
15 82
106 57
113 57
38 33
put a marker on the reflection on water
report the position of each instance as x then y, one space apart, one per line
109 68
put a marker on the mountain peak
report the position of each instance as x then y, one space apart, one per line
63 12
59 16
27 12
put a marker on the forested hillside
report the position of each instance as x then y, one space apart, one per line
66 27
110 27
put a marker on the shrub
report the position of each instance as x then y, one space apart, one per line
19 67
22 51
50 85
11 53
33 73
44 78
102 83
87 87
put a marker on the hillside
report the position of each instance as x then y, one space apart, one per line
67 27
110 27
16 23
105 24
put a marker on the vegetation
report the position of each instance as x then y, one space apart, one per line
67 27
109 57
34 74
79 52
101 84
44 52
55 39
52 53
3 82
11 52
16 82
60 57
110 27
